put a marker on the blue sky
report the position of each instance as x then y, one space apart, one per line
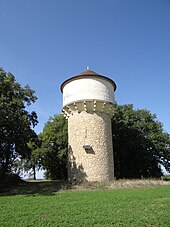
44 42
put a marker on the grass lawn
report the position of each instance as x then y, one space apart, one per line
143 206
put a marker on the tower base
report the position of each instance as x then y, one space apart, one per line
90 147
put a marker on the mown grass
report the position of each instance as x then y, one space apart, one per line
144 206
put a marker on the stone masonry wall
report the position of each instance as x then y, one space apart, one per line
95 164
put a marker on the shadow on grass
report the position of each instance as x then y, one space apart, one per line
36 188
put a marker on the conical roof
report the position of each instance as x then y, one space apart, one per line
85 73
88 72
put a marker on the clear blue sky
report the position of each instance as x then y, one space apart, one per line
44 42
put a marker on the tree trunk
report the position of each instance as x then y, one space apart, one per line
34 172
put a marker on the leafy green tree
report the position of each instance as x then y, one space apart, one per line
53 151
32 162
16 122
140 144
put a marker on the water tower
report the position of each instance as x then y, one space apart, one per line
88 103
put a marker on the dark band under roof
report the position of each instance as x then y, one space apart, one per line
87 73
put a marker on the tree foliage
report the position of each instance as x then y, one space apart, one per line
140 144
53 151
16 122
32 162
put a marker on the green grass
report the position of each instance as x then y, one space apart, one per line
144 206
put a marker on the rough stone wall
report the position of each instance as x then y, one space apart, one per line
95 164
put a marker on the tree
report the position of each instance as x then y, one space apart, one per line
32 162
53 151
16 123
140 144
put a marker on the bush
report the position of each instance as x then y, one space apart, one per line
9 180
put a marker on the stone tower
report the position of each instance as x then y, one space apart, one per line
88 103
